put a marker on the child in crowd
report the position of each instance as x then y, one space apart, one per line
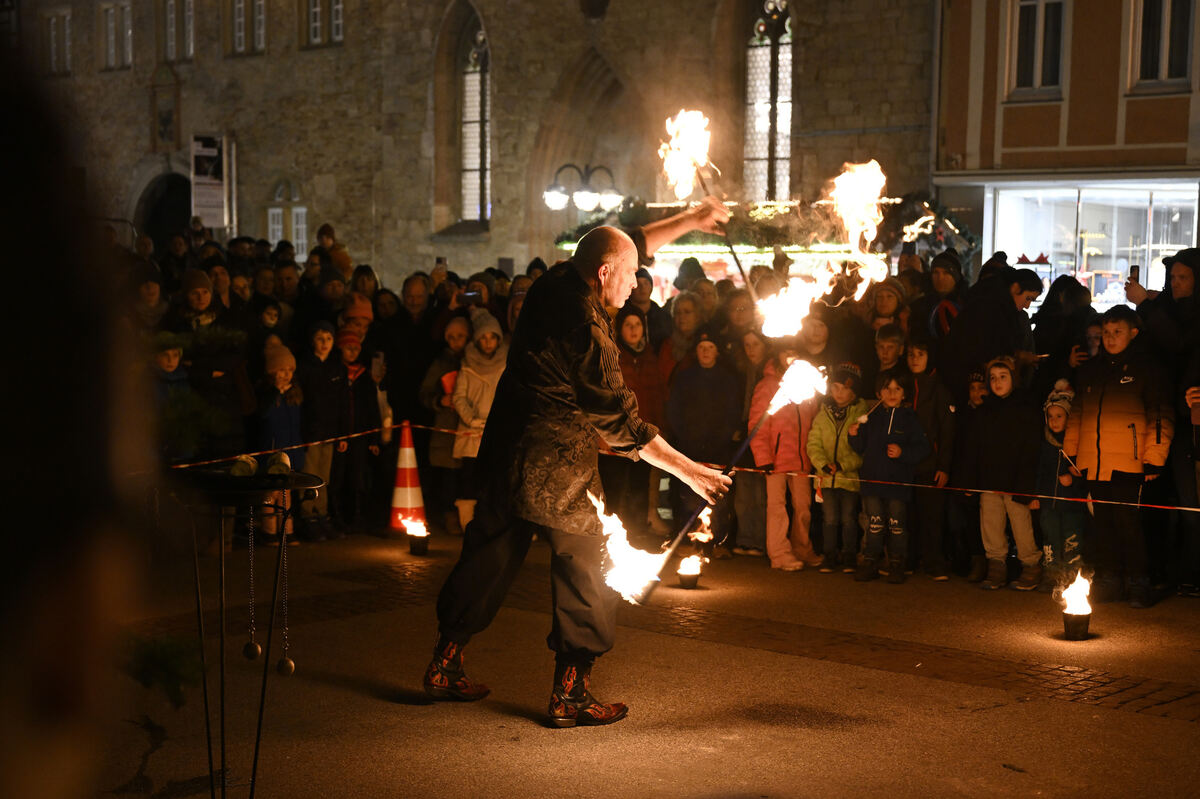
1002 459
279 414
322 379
837 463
360 409
482 365
1062 523
781 449
932 402
437 394
1118 435
892 443
963 505
889 349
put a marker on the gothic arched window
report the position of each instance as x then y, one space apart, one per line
474 123
766 168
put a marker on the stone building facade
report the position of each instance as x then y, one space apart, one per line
364 132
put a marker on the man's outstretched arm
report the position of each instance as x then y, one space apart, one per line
708 483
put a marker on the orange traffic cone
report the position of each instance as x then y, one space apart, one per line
407 503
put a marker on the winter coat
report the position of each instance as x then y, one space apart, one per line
989 325
829 443
782 441
640 369
441 445
883 427
279 424
1122 419
323 384
360 404
704 411
1051 466
935 409
562 387
474 392
1001 450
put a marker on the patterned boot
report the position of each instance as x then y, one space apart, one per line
572 704
445 678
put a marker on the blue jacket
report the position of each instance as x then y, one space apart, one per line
279 426
883 427
1052 464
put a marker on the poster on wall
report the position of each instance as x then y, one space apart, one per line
208 181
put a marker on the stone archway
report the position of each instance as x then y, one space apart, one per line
164 208
592 117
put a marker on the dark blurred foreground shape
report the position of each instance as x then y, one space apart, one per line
66 435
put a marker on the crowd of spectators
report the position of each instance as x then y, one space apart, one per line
958 434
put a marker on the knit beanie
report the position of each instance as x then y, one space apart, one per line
358 306
849 375
279 357
1062 395
196 279
487 280
329 274
949 261
894 286
689 272
347 337
1004 362
483 323
319 326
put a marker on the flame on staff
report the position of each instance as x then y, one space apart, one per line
415 528
686 152
630 569
856 198
1076 597
921 227
800 382
783 312
690 564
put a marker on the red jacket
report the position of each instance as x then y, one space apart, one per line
783 439
643 376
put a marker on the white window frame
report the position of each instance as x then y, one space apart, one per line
259 9
126 34
239 26
300 229
274 224
315 33
1164 48
1037 90
189 29
337 20
170 31
109 17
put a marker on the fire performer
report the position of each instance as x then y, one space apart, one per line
538 460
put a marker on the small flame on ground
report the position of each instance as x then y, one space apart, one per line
802 381
690 565
630 570
1076 596
415 528
686 152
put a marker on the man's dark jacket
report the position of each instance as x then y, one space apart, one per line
562 388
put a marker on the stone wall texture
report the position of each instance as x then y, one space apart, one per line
354 125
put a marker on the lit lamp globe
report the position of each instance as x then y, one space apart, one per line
586 200
610 200
556 197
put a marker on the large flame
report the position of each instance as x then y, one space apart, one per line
856 196
801 381
1076 597
415 528
630 570
686 152
703 533
784 311
690 565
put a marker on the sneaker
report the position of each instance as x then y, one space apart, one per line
742 551
1031 578
828 565
1188 589
790 566
866 571
997 575
896 572
849 562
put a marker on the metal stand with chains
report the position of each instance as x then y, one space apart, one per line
252 649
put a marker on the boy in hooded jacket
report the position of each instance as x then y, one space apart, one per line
892 443
837 464
1061 522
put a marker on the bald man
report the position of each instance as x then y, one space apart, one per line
561 390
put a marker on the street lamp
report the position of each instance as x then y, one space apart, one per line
587 198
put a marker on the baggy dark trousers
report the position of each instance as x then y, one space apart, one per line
494 547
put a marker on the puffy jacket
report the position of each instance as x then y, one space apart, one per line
829 442
1122 419
890 426
474 392
783 438
934 406
441 445
1051 466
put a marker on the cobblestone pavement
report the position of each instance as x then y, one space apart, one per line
391 586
